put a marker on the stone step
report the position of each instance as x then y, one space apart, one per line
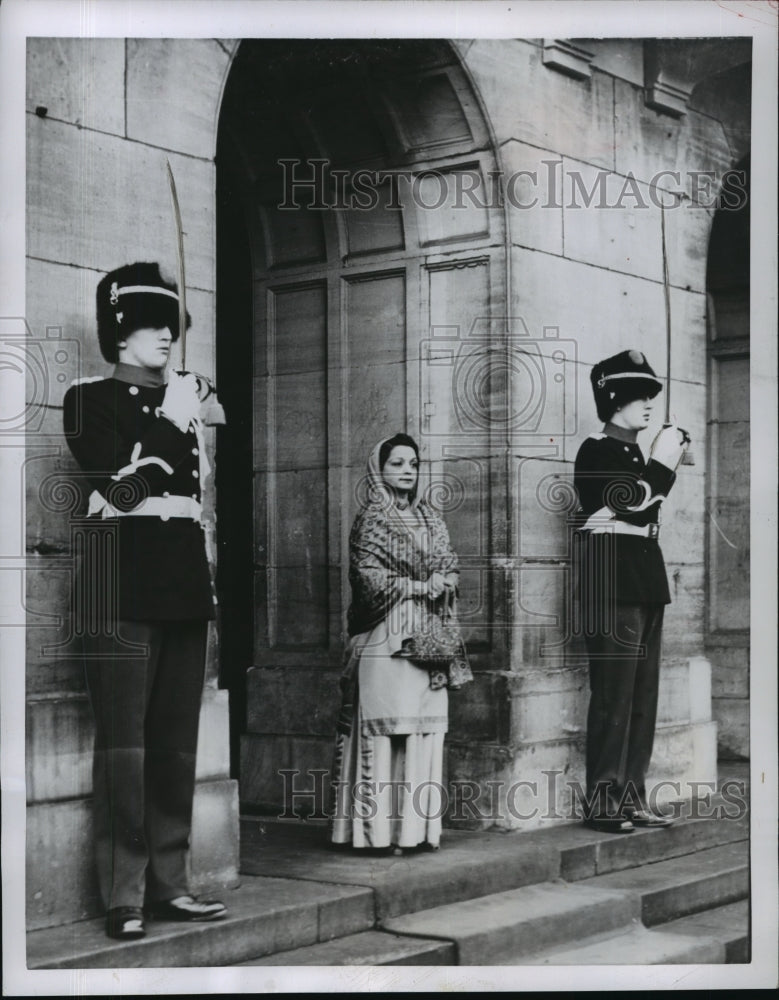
727 924
367 948
472 864
709 824
715 936
684 885
635 946
720 936
266 915
468 864
506 926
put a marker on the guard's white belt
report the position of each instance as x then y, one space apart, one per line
162 507
624 528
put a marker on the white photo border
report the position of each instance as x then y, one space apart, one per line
439 19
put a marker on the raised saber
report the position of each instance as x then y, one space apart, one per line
214 412
687 457
180 261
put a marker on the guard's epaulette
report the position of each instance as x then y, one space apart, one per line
598 435
88 378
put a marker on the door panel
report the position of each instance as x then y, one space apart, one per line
298 330
375 323
292 237
298 415
376 319
375 227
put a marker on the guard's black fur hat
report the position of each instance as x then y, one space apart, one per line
120 312
621 379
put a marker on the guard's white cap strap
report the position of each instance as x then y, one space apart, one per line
116 291
644 375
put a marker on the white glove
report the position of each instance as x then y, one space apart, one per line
181 403
669 446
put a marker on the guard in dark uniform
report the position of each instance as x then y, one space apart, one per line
623 587
137 436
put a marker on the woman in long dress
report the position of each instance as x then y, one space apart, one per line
387 787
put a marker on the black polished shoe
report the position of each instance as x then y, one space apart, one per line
186 908
125 923
609 824
643 817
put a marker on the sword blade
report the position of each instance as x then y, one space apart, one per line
667 293
182 281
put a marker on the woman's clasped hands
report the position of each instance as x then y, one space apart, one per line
439 582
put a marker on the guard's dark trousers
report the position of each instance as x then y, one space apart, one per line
146 711
624 674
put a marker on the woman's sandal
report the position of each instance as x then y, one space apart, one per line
643 817
417 849
610 824
125 923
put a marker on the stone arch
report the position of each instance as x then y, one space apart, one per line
331 300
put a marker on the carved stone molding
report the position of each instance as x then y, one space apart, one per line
667 86
563 55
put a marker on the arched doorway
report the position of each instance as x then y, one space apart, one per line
727 639
357 212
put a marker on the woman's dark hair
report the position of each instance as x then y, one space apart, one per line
402 440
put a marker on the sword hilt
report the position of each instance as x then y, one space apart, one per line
687 456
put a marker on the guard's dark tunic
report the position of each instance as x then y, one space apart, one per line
613 481
144 661
623 589
129 453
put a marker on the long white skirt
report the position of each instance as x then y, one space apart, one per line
388 773
388 789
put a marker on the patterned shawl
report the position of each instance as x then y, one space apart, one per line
385 552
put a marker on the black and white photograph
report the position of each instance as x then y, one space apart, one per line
388 433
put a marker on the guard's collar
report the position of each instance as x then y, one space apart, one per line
620 433
137 375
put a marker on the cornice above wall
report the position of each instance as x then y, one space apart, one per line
673 68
